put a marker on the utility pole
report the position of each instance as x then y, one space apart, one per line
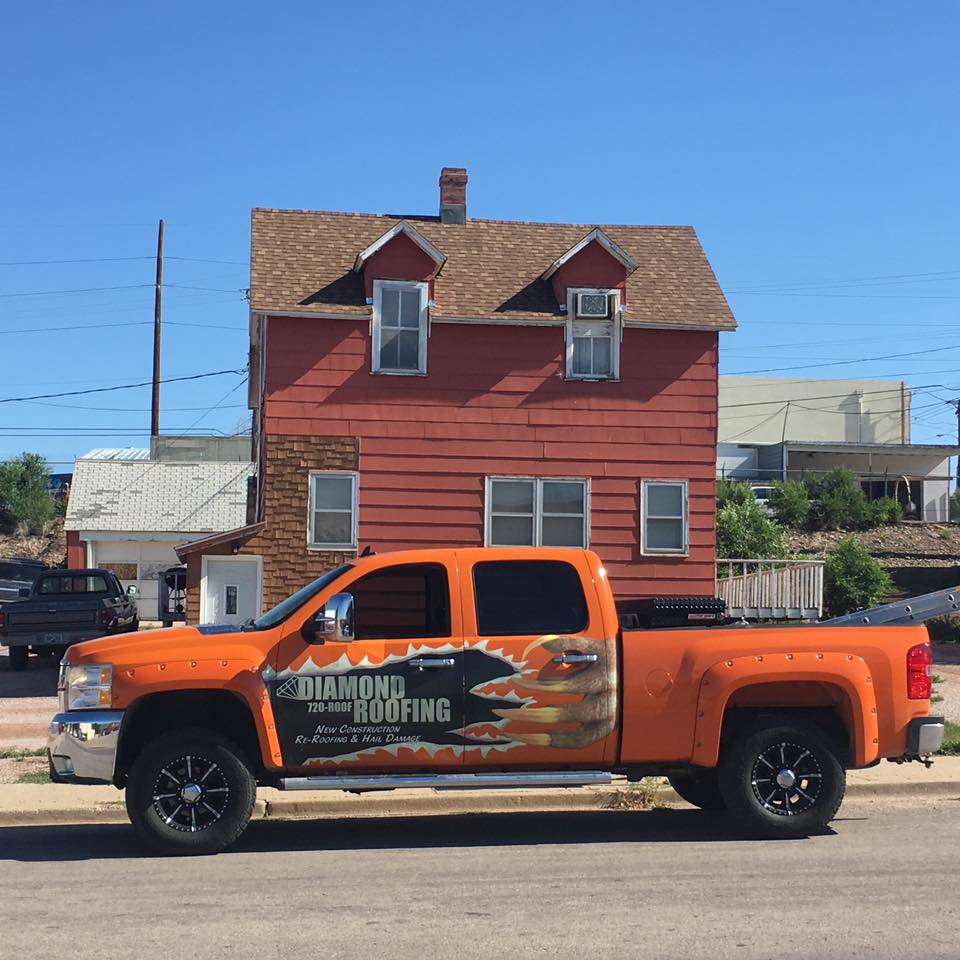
157 311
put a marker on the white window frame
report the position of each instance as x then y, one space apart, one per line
615 319
648 551
354 510
537 509
423 289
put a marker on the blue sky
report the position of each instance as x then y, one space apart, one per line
814 147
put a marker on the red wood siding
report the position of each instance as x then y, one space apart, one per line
400 259
76 550
591 267
495 403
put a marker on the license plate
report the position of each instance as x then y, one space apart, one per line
50 638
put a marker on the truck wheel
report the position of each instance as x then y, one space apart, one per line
699 786
18 657
189 792
782 781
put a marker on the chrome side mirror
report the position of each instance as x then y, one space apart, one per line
132 590
334 622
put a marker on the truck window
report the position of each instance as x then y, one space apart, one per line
90 584
405 602
528 597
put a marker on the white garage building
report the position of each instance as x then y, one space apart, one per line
127 515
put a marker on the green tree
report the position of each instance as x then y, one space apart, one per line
25 492
842 502
852 579
955 505
745 532
790 502
733 491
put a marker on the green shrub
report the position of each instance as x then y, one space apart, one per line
25 492
852 579
882 512
733 491
745 532
790 502
843 504
955 505
945 629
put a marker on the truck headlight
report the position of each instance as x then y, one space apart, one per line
86 687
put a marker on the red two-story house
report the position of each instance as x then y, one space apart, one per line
439 380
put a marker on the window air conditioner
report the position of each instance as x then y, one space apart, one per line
593 305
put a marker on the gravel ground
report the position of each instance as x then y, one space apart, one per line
947 666
12 770
27 702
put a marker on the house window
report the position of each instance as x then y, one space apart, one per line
536 512
593 335
664 520
333 510
399 327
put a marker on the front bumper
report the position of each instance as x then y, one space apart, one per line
82 745
924 735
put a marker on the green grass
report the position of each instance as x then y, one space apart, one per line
951 740
18 754
36 776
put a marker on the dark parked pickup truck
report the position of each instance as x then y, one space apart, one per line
65 607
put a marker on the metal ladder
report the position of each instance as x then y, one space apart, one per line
903 612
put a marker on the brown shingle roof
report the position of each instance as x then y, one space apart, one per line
302 261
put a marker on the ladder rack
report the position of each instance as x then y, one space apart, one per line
940 603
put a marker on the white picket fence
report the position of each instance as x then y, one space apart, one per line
771 589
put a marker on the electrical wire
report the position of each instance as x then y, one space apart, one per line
126 386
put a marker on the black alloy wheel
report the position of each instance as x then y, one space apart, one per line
784 780
190 791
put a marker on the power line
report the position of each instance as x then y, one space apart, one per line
840 363
50 293
36 263
131 323
126 386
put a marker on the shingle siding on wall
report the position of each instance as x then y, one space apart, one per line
287 562
495 402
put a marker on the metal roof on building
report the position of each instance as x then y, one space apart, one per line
158 496
117 453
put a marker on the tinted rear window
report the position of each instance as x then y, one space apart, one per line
89 584
528 597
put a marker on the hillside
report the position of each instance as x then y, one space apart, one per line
906 544
51 547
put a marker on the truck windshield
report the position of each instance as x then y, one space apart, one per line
292 604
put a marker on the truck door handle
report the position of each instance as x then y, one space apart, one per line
576 658
427 663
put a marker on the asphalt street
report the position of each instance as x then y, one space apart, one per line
666 883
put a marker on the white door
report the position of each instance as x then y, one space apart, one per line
231 589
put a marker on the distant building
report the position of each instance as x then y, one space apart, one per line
128 512
780 428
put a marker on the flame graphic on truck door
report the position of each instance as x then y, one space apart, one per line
347 711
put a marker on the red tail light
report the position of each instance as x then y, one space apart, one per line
919 681
3 619
105 617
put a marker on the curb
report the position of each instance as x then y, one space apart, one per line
448 803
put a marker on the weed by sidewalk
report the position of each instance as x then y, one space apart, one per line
951 740
17 754
642 795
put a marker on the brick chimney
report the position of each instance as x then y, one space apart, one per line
453 195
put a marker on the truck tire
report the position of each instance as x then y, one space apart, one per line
699 786
782 781
18 657
190 792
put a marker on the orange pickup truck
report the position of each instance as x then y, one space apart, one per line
483 667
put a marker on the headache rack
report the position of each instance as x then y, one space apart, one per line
652 613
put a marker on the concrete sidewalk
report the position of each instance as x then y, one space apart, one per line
61 804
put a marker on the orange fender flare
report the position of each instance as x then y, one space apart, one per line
844 670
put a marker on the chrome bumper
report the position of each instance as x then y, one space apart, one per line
82 745
924 735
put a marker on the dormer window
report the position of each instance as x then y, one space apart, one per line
399 327
593 334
